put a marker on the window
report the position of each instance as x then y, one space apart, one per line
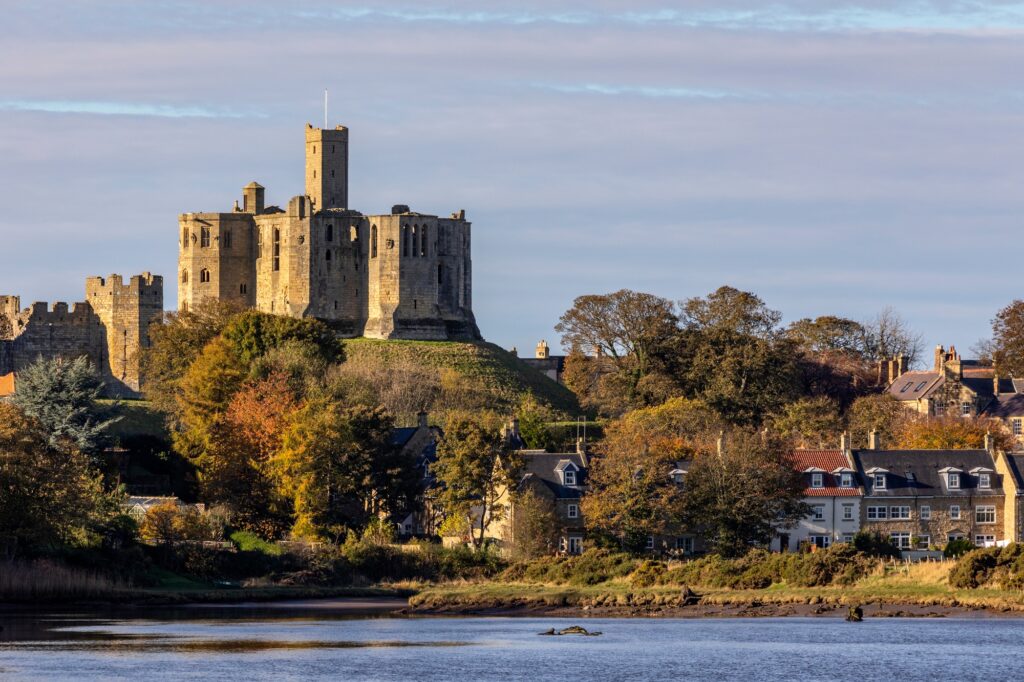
985 514
923 541
906 387
822 541
423 241
570 477
572 511
204 276
846 480
327 258
259 245
415 240
405 241
440 274
184 238
847 512
877 513
847 537
899 513
204 237
184 276
920 385
940 407
818 512
277 249
243 289
953 480
685 545
901 540
879 481
225 239
984 480
650 542
817 481
954 536
329 233
575 545
954 512
985 540
966 409
926 513
373 241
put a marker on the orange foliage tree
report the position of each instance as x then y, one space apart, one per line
947 433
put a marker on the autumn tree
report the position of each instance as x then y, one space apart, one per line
833 358
740 496
810 422
952 433
880 413
1008 340
475 468
535 530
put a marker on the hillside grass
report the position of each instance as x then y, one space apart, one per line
500 372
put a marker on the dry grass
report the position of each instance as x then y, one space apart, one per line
46 581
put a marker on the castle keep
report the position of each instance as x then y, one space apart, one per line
110 328
403 275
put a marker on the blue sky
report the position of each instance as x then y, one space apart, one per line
834 158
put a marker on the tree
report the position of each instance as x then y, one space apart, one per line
880 413
1008 340
737 359
48 496
833 358
952 433
534 526
61 395
629 328
810 422
889 335
741 496
632 492
475 468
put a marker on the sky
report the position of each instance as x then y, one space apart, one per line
832 157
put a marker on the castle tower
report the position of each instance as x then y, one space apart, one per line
125 311
327 167
252 198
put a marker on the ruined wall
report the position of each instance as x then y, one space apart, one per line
44 332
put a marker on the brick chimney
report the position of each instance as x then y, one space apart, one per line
940 357
844 442
421 419
990 442
873 440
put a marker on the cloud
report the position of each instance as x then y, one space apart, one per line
121 109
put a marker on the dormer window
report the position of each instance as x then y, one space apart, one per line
985 481
953 481
570 477
817 481
878 481
846 480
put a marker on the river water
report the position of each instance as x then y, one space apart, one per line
329 641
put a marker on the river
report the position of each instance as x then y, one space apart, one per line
332 640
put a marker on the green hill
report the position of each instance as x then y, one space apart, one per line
498 371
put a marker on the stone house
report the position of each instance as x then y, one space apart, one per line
834 494
559 479
420 441
925 498
551 366
952 387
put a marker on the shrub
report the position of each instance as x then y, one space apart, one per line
246 541
647 573
875 544
590 568
957 548
994 565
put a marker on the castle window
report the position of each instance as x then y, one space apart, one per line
314 149
423 242
184 276
373 241
405 240
277 250
440 274
225 239
243 289
259 244
329 236
184 306
415 240
335 305
332 173
204 237
204 276
327 257
314 174
184 238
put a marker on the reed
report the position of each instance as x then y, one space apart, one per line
44 580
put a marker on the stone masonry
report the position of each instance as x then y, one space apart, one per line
110 328
402 275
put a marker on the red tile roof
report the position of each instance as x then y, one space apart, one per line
829 460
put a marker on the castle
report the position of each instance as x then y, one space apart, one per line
403 275
110 328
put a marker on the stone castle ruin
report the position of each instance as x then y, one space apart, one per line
110 328
403 275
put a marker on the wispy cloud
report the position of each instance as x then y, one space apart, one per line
121 109
645 91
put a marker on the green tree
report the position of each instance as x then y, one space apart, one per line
810 422
1008 339
535 531
742 495
62 396
880 413
475 468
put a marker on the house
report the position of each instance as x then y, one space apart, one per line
139 505
551 366
420 442
559 479
926 498
1009 409
952 386
832 491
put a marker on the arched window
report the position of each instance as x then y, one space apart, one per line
243 289
204 237
330 233
423 241
204 276
184 276
405 240
415 240
373 241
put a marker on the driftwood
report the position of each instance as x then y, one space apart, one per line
572 630
855 614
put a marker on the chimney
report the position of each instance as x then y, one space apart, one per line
513 427
844 442
543 352
995 385
873 440
900 361
421 419
514 352
990 442
940 357
720 443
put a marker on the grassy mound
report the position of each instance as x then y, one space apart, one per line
498 371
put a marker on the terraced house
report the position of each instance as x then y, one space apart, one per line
925 498
834 495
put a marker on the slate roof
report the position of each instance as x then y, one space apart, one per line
913 473
1017 469
544 467
914 385
1006 405
827 461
